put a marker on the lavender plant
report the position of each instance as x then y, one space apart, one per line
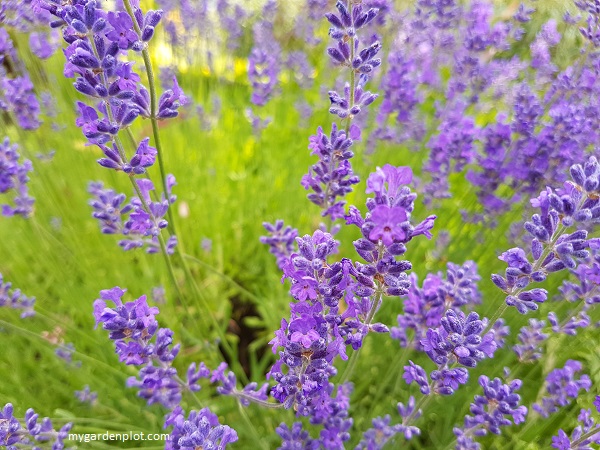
98 44
448 65
15 433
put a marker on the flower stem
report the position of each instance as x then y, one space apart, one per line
153 110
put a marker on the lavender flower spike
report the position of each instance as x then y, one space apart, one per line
29 432
13 181
553 249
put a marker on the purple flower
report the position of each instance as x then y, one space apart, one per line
379 435
332 177
415 373
145 156
552 247
515 257
387 224
122 30
86 395
43 45
14 434
562 386
458 340
280 241
19 98
531 339
302 330
200 429
295 438
170 101
139 227
14 298
586 433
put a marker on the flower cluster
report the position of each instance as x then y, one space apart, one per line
29 432
264 59
587 432
139 222
17 96
98 44
280 241
20 16
14 298
140 342
319 329
561 386
552 248
133 326
544 118
332 177
345 26
200 429
498 407
13 180
531 338
425 306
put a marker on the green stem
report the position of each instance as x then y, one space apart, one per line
594 431
395 367
153 109
252 428
244 396
161 242
101 364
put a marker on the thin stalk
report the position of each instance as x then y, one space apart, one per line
153 109
244 396
252 428
75 352
594 431
159 152
395 366
161 242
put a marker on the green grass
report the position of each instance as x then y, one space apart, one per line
230 180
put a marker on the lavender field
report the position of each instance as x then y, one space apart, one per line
361 224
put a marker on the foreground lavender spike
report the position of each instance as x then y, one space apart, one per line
15 433
498 407
200 429
553 249
140 342
99 42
